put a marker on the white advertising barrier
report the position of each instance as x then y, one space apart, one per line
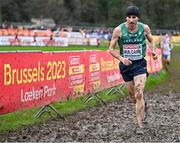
75 35
5 40
33 41
21 40
93 41
26 41
57 41
41 41
83 41
76 41
77 38
61 41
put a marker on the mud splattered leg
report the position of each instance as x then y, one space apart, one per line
139 84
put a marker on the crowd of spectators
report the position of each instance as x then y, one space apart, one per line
102 33
87 32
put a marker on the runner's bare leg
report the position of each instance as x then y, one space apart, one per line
139 84
130 87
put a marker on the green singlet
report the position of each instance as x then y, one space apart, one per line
132 45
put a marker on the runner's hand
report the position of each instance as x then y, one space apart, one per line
126 61
154 56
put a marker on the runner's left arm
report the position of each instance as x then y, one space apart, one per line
150 40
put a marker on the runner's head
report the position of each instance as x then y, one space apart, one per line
132 11
132 16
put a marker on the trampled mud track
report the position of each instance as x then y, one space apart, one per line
116 121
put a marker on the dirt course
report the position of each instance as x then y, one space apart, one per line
116 121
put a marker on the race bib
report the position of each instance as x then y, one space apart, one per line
132 51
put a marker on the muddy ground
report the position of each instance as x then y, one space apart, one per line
116 121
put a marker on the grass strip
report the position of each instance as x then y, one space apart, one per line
23 118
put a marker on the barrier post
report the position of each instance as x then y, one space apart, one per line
94 95
45 109
116 89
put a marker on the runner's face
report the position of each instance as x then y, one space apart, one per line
132 20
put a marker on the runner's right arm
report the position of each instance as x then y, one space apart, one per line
115 37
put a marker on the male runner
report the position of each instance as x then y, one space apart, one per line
131 37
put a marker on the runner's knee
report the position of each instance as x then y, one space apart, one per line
139 96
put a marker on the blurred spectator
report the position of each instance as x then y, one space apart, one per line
109 37
51 41
98 42
166 51
15 41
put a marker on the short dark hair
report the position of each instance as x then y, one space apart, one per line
132 10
